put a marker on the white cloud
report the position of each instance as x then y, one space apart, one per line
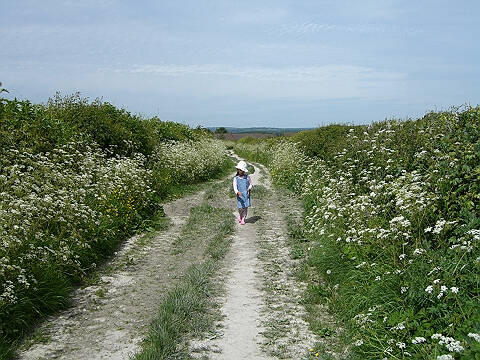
310 27
286 74
319 82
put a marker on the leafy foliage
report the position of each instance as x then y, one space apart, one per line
43 127
76 179
393 216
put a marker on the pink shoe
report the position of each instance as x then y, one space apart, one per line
242 222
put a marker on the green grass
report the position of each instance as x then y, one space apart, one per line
259 192
392 213
188 308
182 311
81 177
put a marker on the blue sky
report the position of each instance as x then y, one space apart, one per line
247 63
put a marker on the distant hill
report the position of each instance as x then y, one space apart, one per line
261 130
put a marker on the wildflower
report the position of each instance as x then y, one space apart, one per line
399 326
454 289
419 251
358 342
445 357
401 345
450 343
404 289
439 226
418 340
329 272
474 336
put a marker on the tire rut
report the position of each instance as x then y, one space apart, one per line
108 320
249 307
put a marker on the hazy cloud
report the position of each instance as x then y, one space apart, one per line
288 74
287 61
320 82
311 27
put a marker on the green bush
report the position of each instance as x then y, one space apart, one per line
393 213
324 142
44 127
76 179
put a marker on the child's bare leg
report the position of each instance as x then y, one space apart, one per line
243 213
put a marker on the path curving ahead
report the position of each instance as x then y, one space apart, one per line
242 306
261 300
260 321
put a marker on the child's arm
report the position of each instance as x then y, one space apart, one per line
250 185
235 187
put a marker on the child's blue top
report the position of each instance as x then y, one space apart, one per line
243 184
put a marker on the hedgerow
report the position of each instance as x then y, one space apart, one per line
394 220
76 179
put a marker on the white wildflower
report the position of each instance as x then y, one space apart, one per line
358 342
445 357
399 326
418 340
419 251
474 336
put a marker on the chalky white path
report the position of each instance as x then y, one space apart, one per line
242 328
258 301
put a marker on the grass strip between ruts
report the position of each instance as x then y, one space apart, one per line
185 308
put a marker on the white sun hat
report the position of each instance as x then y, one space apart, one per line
242 165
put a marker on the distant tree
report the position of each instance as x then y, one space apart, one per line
220 130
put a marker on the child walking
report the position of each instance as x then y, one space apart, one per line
242 184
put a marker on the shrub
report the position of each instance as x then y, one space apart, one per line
76 179
394 216
186 162
61 213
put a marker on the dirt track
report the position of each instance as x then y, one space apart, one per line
260 301
107 320
263 318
